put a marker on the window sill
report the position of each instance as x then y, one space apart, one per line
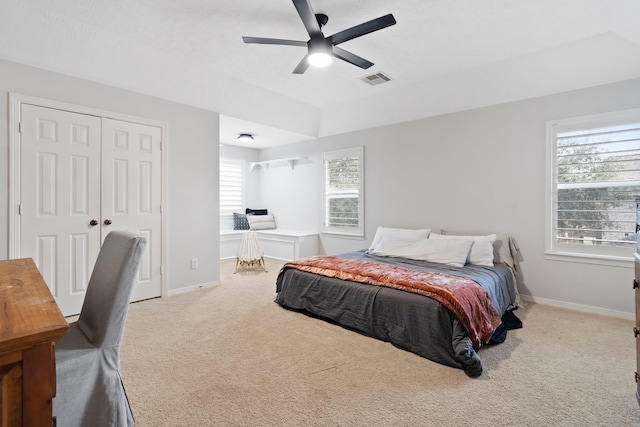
342 235
612 261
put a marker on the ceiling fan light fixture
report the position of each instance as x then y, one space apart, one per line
320 52
319 59
245 137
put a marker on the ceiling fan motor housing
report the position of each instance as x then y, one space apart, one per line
320 45
322 19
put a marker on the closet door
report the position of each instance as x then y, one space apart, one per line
82 176
59 199
131 189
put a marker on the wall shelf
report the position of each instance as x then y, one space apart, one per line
291 161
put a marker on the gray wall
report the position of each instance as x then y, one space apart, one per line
192 153
481 170
478 170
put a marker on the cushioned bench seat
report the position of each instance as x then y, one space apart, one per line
279 243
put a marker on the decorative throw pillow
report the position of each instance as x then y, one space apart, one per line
401 234
240 221
482 250
256 211
261 222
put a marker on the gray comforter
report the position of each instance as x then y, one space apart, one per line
409 321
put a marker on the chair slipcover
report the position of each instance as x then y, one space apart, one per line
90 391
249 253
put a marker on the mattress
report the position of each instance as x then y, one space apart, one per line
409 321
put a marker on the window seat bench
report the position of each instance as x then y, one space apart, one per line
280 244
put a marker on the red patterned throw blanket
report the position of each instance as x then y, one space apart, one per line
466 299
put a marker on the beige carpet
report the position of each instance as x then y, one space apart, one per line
227 355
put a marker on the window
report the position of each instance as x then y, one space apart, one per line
343 192
594 172
231 186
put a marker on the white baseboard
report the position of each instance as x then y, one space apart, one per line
580 307
191 288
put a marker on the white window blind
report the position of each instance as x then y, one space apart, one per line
343 192
231 186
596 175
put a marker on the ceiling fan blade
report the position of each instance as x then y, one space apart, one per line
362 29
351 58
308 17
302 66
262 40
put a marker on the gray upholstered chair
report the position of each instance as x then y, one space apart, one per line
89 387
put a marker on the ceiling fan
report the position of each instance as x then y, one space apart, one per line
320 49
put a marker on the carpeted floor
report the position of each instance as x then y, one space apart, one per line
227 355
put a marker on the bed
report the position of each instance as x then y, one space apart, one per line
390 293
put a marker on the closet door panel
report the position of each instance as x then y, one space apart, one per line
132 179
59 196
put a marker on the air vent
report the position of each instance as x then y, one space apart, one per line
376 79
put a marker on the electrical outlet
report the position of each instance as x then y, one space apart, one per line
194 263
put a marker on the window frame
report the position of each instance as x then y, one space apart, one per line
555 250
355 232
242 166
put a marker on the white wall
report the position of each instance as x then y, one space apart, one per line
478 170
192 158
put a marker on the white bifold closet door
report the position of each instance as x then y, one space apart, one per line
83 176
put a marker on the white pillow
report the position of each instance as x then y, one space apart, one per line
505 248
481 251
401 234
261 222
394 244
452 252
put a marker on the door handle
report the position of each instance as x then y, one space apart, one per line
107 222
93 222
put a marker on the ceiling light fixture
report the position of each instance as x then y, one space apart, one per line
320 52
319 59
245 137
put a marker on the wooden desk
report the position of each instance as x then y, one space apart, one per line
30 323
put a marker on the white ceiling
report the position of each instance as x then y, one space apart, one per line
443 55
